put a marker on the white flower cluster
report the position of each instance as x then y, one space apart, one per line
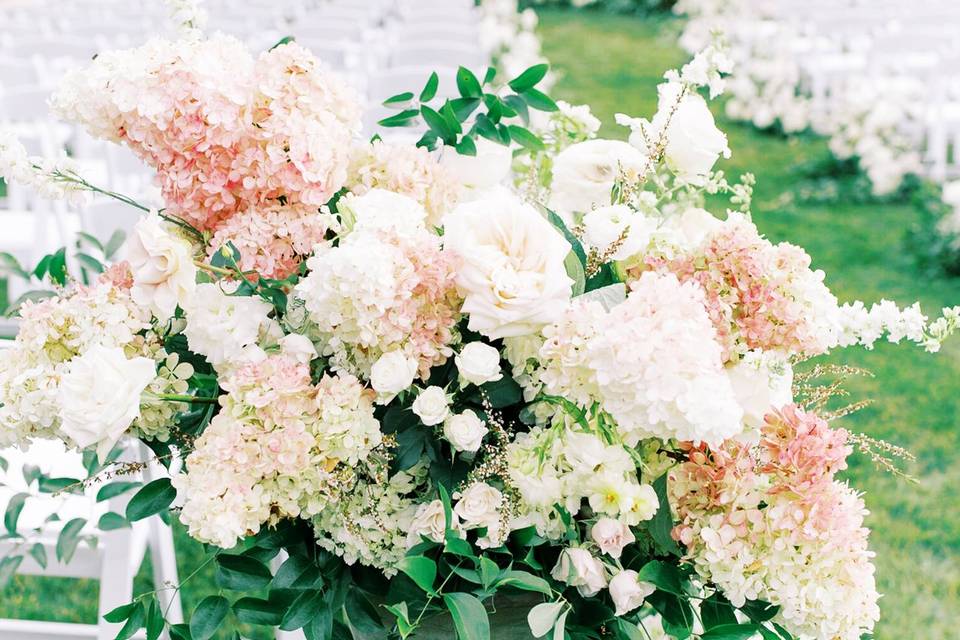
509 36
189 17
40 174
225 328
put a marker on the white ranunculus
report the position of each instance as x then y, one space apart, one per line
432 405
164 274
99 396
298 347
430 522
479 363
762 382
479 505
392 373
512 273
381 209
489 168
224 328
465 431
584 174
628 592
692 227
604 226
611 536
578 568
694 143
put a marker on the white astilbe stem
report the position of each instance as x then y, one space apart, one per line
42 174
862 326
189 17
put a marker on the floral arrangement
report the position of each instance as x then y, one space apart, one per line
425 379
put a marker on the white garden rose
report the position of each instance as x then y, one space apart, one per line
99 397
611 536
628 592
584 174
578 568
465 431
487 169
762 382
512 273
164 274
479 505
224 328
392 373
432 405
430 522
379 209
479 363
694 143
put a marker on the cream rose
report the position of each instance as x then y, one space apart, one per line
430 522
99 396
164 274
611 536
584 174
694 143
578 568
392 373
432 406
628 592
479 505
512 273
479 363
465 431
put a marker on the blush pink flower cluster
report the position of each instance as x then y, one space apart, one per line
771 522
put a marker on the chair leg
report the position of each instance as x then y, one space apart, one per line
118 569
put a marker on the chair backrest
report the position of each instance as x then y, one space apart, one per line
79 49
17 72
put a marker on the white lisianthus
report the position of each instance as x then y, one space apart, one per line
578 568
465 431
380 209
432 406
611 536
762 382
392 373
694 143
479 363
224 328
512 273
99 396
479 505
430 522
628 592
164 274
485 170
584 174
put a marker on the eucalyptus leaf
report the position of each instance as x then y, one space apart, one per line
208 617
469 616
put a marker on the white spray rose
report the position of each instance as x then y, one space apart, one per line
578 568
584 174
225 328
465 431
164 274
379 209
479 505
432 406
479 363
99 396
430 522
628 592
392 373
512 274
611 536
489 168
694 143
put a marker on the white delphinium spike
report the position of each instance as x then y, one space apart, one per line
189 17
50 177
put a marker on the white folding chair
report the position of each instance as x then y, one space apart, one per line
114 561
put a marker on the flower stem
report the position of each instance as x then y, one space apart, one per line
173 397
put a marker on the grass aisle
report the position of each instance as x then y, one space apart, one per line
614 63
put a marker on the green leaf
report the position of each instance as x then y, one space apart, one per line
410 447
292 571
401 119
561 226
134 622
529 78
420 569
57 267
457 546
400 98
525 581
576 272
467 147
519 105
321 625
665 576
489 572
114 243
242 573
759 611
467 83
451 118
282 41
121 613
526 138
469 617
559 629
258 611
437 123
56 485
363 617
9 264
69 538
302 611
539 100
115 489
463 107
14 508
208 617
8 568
661 524
155 621
90 263
180 632
501 393
111 521
151 499
39 553
430 89
489 75
731 632
629 630
717 611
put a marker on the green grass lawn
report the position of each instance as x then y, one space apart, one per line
614 63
